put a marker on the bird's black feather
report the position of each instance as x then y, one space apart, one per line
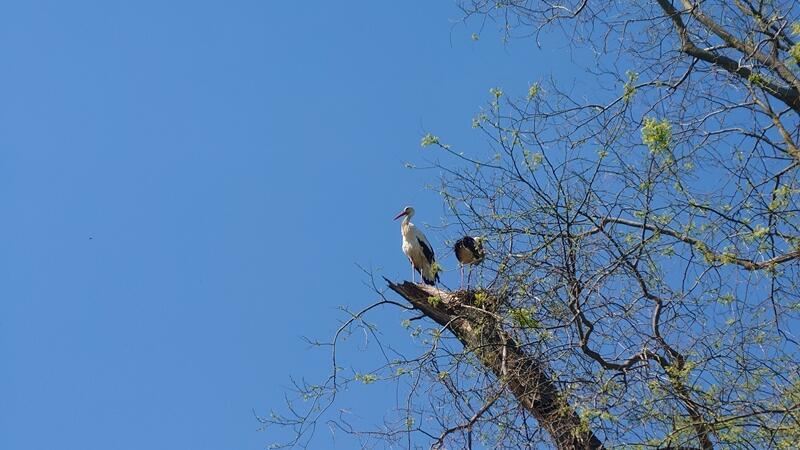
427 251
430 282
472 246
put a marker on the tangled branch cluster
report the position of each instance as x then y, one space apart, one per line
643 245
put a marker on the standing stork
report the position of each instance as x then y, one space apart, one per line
469 251
417 248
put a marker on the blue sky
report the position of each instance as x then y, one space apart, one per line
187 189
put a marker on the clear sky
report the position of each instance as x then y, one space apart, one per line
186 189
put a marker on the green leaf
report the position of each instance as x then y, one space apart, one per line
657 135
429 139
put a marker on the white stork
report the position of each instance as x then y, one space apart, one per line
417 248
469 251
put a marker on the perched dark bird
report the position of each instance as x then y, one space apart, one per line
469 251
417 248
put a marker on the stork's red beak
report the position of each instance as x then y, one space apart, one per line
400 215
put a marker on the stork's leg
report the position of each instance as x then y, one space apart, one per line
461 267
413 278
469 275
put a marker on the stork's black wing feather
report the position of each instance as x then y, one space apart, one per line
469 242
471 245
427 251
458 248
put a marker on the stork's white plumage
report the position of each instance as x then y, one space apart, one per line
417 248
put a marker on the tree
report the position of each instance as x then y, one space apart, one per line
641 284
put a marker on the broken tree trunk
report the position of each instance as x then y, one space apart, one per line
526 377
